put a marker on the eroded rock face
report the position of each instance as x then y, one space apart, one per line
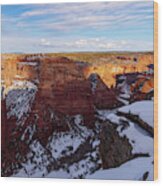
35 109
64 89
17 134
114 150
103 97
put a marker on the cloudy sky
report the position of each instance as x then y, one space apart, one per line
102 26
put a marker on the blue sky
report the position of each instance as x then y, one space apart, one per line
68 27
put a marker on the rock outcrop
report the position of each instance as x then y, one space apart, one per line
107 67
64 89
103 97
114 150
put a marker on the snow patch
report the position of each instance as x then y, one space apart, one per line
111 116
19 98
132 170
145 110
28 63
140 142
66 143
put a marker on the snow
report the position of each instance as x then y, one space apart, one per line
144 109
111 116
38 160
127 96
29 130
19 101
138 138
125 92
35 57
140 142
83 167
28 63
95 143
122 78
61 141
19 84
66 143
78 119
78 169
58 174
23 84
124 87
131 170
93 79
123 100
41 157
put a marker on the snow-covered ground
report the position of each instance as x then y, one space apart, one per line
131 170
60 145
144 109
78 169
138 138
140 142
66 143
19 99
37 161
111 116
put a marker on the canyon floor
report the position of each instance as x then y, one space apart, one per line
78 115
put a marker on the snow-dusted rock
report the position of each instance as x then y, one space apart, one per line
144 109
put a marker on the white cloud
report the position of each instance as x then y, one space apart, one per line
45 42
33 45
94 44
68 16
38 27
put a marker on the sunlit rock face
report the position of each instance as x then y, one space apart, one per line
108 68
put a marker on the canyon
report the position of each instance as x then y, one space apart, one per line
53 101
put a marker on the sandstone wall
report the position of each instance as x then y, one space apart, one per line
109 68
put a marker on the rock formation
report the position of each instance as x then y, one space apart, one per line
114 150
50 112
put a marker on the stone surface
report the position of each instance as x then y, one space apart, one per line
114 150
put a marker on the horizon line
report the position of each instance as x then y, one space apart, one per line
118 51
